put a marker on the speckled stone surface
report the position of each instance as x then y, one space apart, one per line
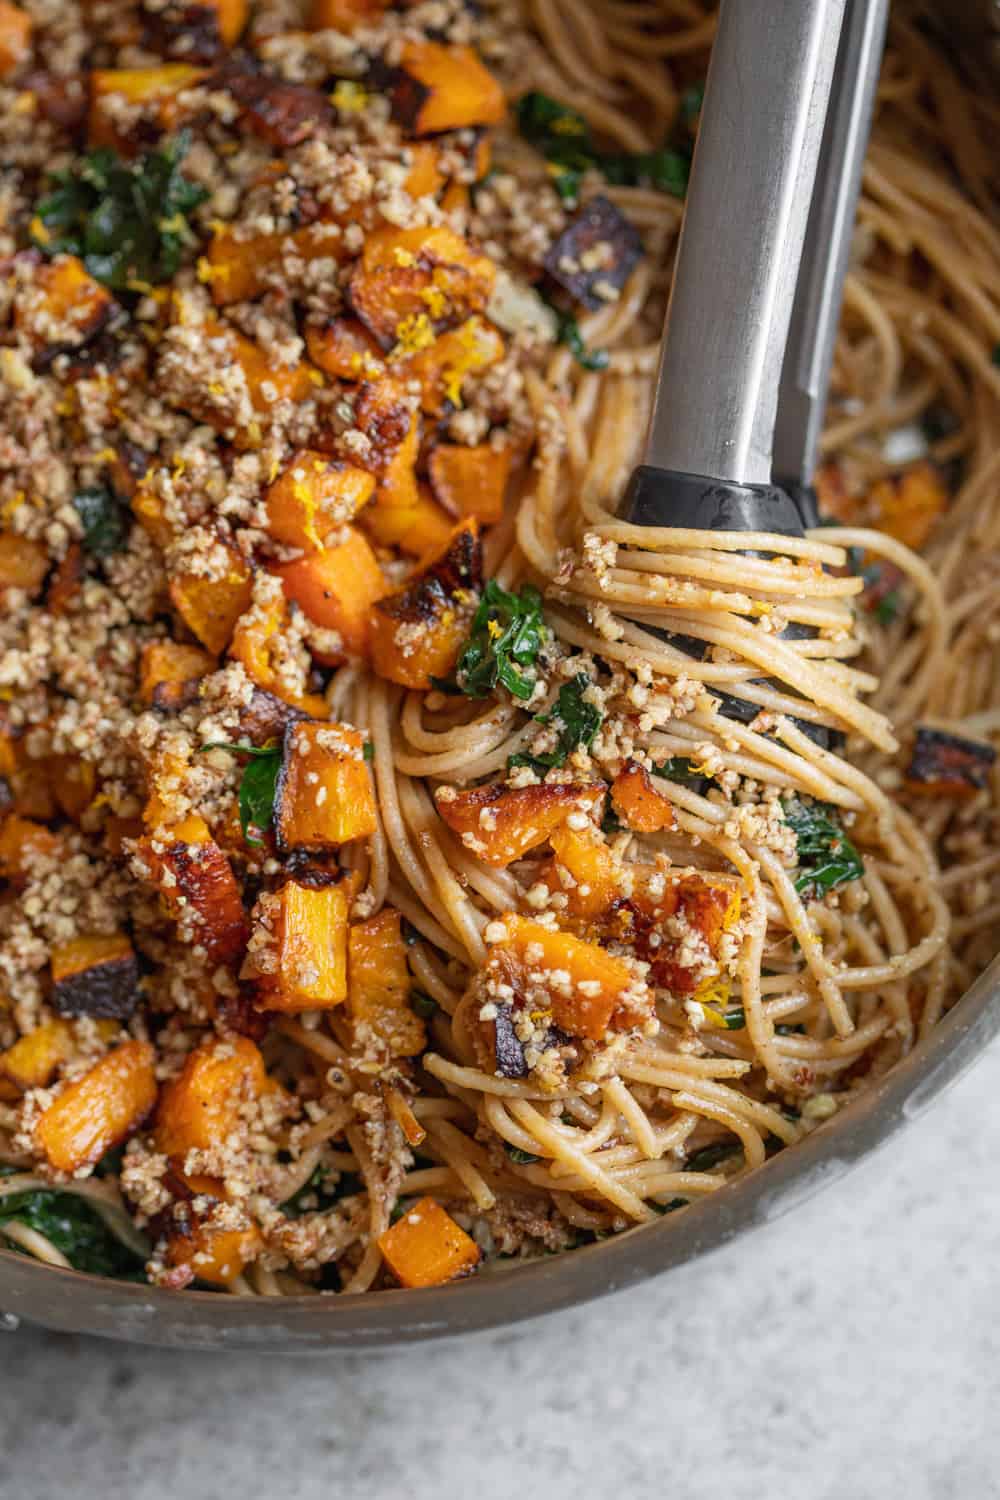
849 1352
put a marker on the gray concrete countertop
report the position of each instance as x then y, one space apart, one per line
848 1352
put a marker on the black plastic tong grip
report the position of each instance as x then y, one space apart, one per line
691 502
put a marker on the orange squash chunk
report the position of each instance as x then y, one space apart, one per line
585 1003
257 644
298 953
237 269
583 869
266 382
470 481
500 824
444 88
442 366
15 37
153 90
409 279
231 18
33 1061
417 528
95 975
418 631
204 1104
384 413
908 505
99 1110
344 348
211 607
336 588
169 673
64 304
314 496
345 15
426 1247
23 563
22 841
28 786
197 887
638 803
74 783
708 904
380 984
214 1255
425 179
64 586
325 795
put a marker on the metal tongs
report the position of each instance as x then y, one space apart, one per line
760 269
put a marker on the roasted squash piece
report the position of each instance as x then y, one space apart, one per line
380 985
23 563
266 382
336 588
344 348
595 254
443 88
324 796
425 178
22 842
600 992
266 717
213 1253
33 1061
280 113
237 269
96 975
298 948
99 1110
409 279
678 916
169 674
149 510
28 789
426 1247
583 871
470 481
948 765
418 630
73 781
638 803
345 15
417 528
150 91
63 589
211 606
218 1085
908 505
259 644
500 824
313 496
63 307
15 38
197 887
442 366
198 31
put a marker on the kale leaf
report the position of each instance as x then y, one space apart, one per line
104 519
826 856
127 221
682 769
75 1228
505 637
519 1157
575 720
318 1192
258 785
568 333
563 137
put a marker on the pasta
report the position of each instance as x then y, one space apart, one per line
653 847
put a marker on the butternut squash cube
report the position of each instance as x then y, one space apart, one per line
416 528
470 481
219 1084
15 38
439 88
638 803
74 782
426 1247
64 306
385 414
169 674
23 563
99 1110
425 178
500 824
22 842
336 588
345 15
586 990
238 270
583 870
409 279
197 888
96 975
314 496
150 91
213 1254
442 366
908 505
211 607
33 1061
325 795
298 951
344 348
380 985
418 631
